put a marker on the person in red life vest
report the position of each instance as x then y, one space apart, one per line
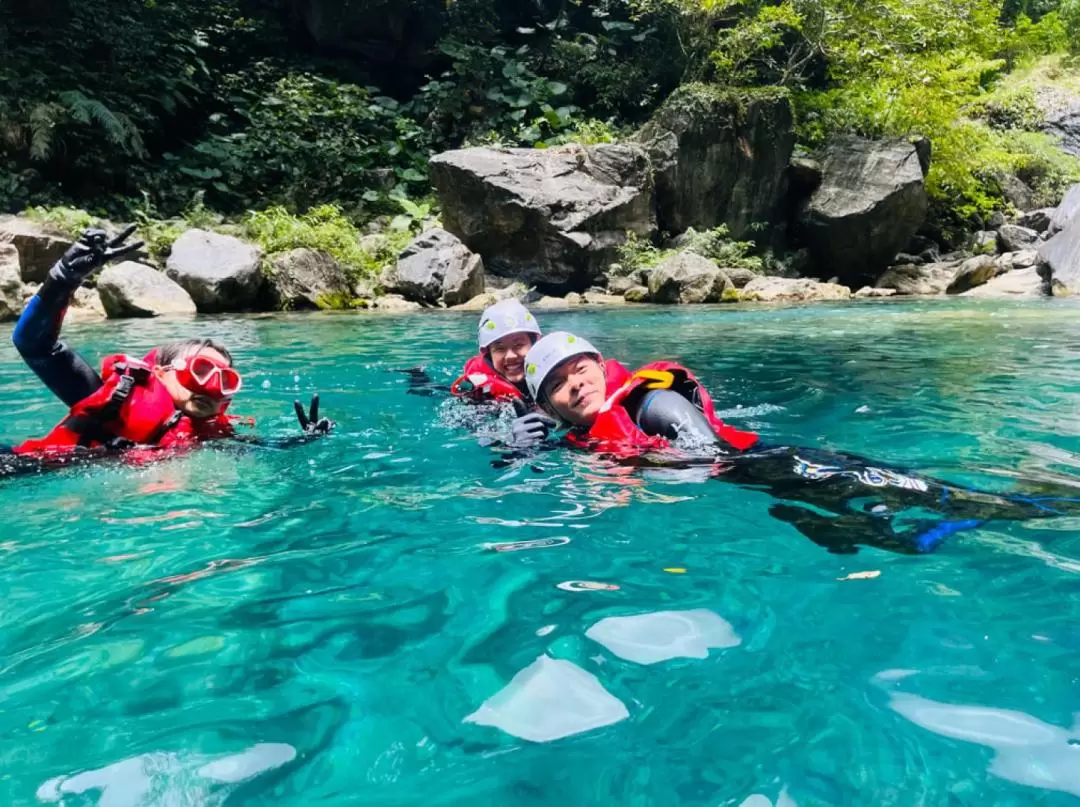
176 395
507 331
610 409
839 501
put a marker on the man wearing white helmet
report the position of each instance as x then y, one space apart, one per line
507 332
852 500
611 409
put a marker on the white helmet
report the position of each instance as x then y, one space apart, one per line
549 353
504 318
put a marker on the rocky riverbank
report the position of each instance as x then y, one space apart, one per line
553 225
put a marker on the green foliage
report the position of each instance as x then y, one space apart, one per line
323 228
1017 109
588 132
381 251
491 94
237 104
1043 166
717 246
1069 12
302 139
636 253
68 220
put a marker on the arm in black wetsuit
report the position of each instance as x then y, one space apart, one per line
37 333
37 338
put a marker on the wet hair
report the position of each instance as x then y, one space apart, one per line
189 347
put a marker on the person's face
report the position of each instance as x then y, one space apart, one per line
508 356
575 390
193 404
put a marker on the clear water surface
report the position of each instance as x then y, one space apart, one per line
328 625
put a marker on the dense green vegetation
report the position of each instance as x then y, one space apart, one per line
154 109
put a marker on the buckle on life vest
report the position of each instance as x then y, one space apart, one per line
659 379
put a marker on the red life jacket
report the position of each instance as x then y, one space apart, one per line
130 405
615 432
479 382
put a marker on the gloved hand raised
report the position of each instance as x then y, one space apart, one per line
92 251
310 422
529 428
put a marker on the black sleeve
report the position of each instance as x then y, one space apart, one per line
37 338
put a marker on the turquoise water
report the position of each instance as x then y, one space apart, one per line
325 625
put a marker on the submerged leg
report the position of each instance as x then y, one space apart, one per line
841 501
420 383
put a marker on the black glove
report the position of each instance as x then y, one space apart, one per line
311 423
92 251
529 428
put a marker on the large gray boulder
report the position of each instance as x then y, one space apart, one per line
1059 260
551 218
1037 220
436 268
395 304
871 201
687 278
12 291
924 279
785 289
1014 238
1066 211
719 157
131 289
1018 283
220 272
738 275
620 284
973 272
39 246
306 279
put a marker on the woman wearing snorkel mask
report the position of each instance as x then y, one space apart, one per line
175 395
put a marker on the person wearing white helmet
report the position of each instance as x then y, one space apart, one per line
507 331
852 500
610 409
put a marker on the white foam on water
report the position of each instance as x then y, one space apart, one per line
1027 750
165 778
664 635
548 700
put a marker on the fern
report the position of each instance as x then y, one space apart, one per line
43 120
118 128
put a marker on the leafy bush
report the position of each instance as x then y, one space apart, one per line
68 220
322 228
1043 166
637 253
305 139
491 94
1009 110
716 245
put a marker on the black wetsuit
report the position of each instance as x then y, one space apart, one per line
840 501
37 338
